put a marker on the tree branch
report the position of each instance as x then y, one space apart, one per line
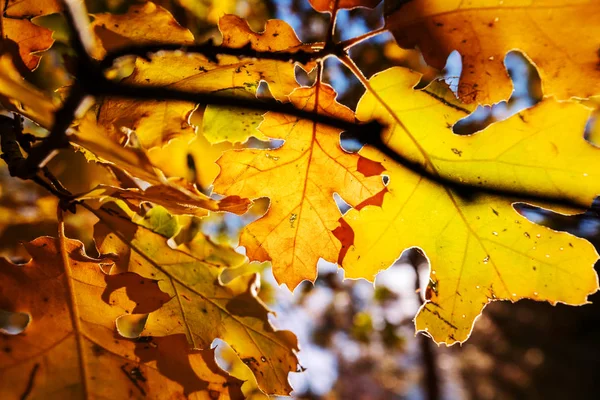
90 80
211 51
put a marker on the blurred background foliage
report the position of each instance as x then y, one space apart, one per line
357 340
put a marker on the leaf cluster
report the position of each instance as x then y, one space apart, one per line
186 128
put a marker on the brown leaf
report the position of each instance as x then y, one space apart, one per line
201 307
69 347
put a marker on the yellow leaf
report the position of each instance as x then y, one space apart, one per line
300 179
101 143
201 308
20 36
157 122
69 348
478 247
484 31
277 36
209 10
142 24
231 124
327 5
19 95
539 151
190 157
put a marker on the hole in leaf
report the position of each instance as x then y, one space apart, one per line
13 323
526 93
341 204
131 326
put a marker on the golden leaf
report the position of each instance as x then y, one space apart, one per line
483 32
157 122
16 94
479 248
201 308
101 141
142 24
69 347
300 179
190 157
20 36
179 200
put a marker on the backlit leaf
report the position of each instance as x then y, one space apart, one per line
142 24
484 31
231 124
156 122
16 94
176 199
20 36
201 307
300 179
479 248
69 348
97 139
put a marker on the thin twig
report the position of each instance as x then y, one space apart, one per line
347 44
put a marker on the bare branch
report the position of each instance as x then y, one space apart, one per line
211 51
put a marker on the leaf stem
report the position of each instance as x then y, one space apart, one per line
348 44
331 29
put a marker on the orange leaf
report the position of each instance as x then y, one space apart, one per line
300 178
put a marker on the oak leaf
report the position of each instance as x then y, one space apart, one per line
103 144
142 24
69 347
299 178
157 122
479 248
190 157
201 308
484 32
16 94
177 199
20 36
231 124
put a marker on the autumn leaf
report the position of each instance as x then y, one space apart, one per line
69 347
327 5
201 307
157 122
483 33
231 124
300 179
177 199
20 36
479 248
101 142
138 26
190 157
18 95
